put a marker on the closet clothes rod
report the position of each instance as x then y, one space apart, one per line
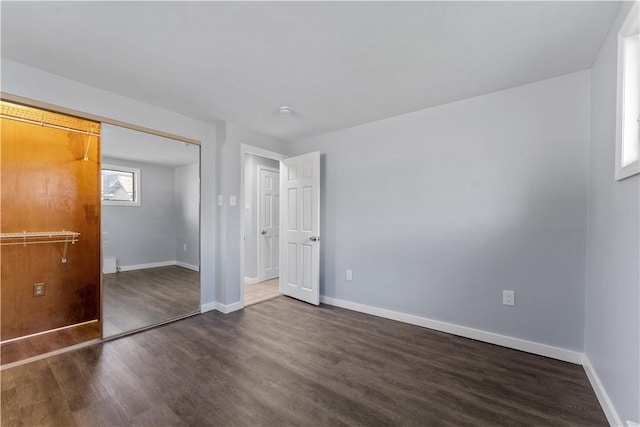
37 242
35 122
39 234
39 237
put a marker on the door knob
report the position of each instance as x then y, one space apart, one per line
264 231
314 238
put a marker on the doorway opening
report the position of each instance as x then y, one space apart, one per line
298 248
261 225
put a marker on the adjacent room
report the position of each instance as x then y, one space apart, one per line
320 213
261 229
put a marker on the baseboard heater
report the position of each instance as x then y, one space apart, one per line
109 265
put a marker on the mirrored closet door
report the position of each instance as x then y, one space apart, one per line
150 229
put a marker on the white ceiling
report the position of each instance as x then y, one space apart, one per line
336 64
127 144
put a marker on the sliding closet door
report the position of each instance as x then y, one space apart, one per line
50 221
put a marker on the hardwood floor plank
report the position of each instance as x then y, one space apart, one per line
141 298
10 414
102 413
37 345
160 415
50 412
260 292
283 362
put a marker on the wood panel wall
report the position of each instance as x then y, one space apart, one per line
46 185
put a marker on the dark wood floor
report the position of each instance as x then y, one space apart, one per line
37 345
140 298
283 362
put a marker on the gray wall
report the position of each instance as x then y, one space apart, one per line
229 136
250 213
612 329
187 205
439 210
147 233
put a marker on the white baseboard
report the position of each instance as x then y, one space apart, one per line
229 308
159 264
607 406
463 331
208 307
148 265
187 266
225 309
251 280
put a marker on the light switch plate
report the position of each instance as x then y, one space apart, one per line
232 200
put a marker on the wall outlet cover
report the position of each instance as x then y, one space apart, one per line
508 297
38 289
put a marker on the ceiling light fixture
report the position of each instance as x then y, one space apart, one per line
285 110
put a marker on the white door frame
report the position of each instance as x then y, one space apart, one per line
260 255
249 149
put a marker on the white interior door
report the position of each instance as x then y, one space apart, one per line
269 222
300 210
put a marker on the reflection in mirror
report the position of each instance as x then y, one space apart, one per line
150 229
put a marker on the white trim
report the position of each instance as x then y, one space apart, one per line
250 149
158 264
632 424
251 280
629 27
229 308
187 266
606 403
210 306
463 331
148 265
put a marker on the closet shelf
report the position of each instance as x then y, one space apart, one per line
31 237
38 237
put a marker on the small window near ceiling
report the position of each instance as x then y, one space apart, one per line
120 186
628 111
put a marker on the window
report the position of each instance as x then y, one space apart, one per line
120 186
628 110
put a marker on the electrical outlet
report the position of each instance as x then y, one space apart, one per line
508 298
349 274
232 200
38 289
